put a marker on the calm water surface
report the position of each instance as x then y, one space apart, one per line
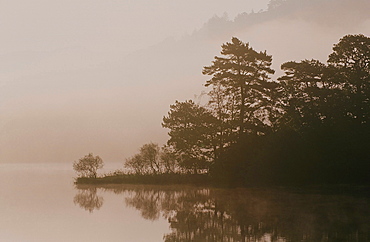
41 203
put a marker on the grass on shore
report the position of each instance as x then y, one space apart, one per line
206 180
160 179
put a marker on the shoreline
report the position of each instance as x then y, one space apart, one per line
159 179
204 180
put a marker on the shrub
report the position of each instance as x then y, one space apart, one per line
88 166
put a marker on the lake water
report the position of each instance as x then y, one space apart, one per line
41 203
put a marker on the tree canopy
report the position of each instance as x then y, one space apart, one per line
192 134
241 76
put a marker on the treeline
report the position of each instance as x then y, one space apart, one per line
311 125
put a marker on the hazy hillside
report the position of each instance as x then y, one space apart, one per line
63 104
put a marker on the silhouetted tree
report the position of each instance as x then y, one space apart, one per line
88 165
192 133
169 159
242 76
153 160
148 160
318 93
150 156
351 63
222 103
136 164
304 92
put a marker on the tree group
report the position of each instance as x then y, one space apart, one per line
309 125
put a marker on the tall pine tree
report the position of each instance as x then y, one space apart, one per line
242 90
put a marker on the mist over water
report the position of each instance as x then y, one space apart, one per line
41 203
37 204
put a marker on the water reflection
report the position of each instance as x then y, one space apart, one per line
88 199
196 214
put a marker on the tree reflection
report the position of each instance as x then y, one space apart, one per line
254 215
147 203
198 214
88 199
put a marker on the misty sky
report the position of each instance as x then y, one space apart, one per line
106 25
98 76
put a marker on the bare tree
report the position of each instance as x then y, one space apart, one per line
136 164
153 159
88 165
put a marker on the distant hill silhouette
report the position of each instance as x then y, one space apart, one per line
73 101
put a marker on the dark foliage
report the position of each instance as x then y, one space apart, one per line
329 155
311 126
323 133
